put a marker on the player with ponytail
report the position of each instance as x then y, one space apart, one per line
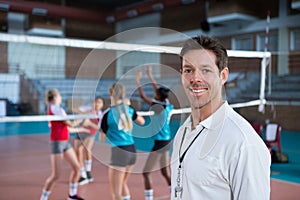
117 126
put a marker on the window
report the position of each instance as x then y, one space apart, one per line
128 63
272 42
242 43
295 40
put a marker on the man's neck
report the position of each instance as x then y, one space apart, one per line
200 114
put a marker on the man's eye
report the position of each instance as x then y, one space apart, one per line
187 71
205 70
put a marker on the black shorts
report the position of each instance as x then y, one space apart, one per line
122 156
161 145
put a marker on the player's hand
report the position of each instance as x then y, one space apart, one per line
76 122
138 76
149 70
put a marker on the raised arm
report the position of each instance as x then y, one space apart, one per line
139 88
151 78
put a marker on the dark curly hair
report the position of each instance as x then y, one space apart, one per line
163 93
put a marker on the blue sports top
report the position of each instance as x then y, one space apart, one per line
112 126
160 121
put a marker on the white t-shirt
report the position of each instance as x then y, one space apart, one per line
58 110
227 161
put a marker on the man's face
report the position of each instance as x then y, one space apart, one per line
201 78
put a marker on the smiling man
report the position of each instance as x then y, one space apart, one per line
216 152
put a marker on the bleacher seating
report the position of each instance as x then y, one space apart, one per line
87 89
243 88
283 88
239 88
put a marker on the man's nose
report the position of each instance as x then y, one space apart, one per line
197 76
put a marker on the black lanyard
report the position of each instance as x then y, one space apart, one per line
183 155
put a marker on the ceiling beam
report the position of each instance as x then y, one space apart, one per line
57 11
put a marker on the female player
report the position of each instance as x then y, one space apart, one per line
61 148
84 142
117 126
161 130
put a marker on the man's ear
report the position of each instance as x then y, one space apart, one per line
180 70
224 75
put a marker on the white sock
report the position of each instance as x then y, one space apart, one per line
126 197
149 194
73 189
88 165
45 195
82 172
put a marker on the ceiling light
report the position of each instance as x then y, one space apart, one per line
39 11
158 7
132 13
187 1
110 19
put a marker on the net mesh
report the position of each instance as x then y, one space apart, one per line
82 70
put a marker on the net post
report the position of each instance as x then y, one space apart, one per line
266 60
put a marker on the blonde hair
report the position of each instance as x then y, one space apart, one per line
50 95
118 93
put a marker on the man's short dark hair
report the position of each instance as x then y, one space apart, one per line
210 44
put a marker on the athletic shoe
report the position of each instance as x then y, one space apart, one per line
89 177
83 181
76 197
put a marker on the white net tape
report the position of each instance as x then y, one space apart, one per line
39 118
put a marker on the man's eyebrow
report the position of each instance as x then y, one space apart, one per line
192 66
187 66
206 66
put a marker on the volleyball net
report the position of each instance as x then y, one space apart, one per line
82 70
